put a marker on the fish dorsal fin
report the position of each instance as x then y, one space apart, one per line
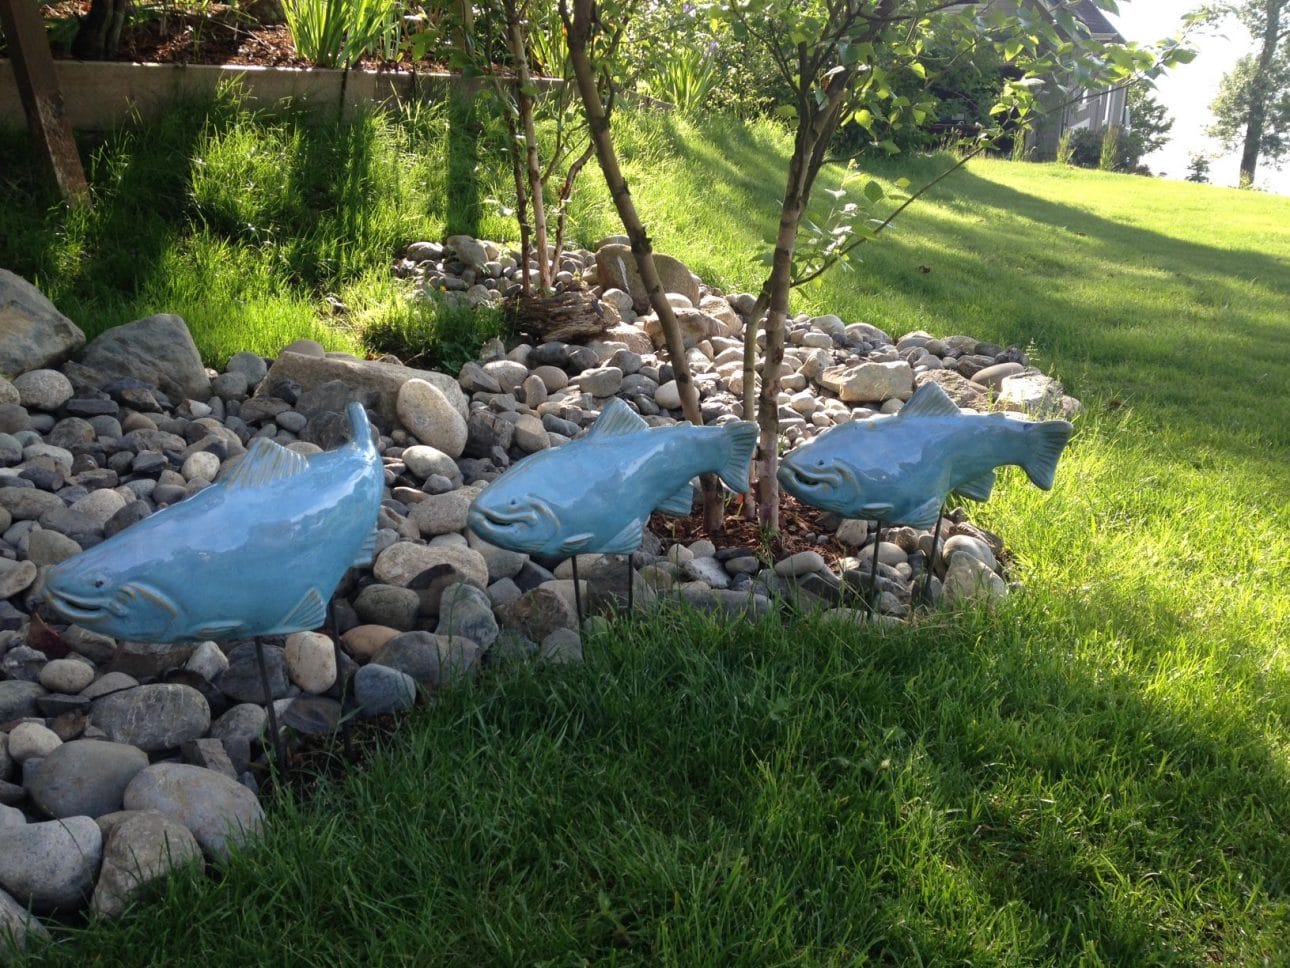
929 400
264 463
616 420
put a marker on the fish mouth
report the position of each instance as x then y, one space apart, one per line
532 514
793 476
79 608
504 519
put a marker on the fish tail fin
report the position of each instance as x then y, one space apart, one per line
360 429
1046 441
741 439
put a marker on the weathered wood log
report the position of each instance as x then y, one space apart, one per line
564 316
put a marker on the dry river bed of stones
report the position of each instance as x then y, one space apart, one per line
121 759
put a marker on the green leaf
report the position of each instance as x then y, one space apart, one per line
873 191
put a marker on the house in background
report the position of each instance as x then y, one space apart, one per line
1095 110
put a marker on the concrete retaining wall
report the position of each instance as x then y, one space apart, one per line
101 94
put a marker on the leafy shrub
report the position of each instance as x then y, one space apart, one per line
1111 149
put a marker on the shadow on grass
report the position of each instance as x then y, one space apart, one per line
1185 330
989 789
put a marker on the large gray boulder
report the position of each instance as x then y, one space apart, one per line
51 865
218 810
15 921
157 350
141 846
153 717
85 777
370 379
33 334
616 267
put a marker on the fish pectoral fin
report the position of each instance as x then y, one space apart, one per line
977 489
877 512
310 613
366 552
680 503
925 515
576 542
627 540
264 463
929 400
617 420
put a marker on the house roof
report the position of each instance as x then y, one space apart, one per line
1084 10
1094 19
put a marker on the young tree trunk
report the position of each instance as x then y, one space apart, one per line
578 29
776 291
566 193
521 197
1259 94
524 102
464 207
99 34
817 123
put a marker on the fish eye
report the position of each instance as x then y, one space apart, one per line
819 462
100 582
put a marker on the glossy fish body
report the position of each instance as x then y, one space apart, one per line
595 493
258 553
899 468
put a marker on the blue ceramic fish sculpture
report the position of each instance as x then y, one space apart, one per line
595 493
258 553
898 468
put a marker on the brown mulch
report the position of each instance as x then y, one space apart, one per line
799 525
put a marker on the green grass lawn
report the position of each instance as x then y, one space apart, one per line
1095 773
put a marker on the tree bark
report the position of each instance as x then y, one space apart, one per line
1259 94
99 34
578 25
817 123
464 206
524 101
521 198
777 291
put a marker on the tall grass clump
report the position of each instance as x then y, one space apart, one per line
338 33
1109 156
1065 149
257 227
685 79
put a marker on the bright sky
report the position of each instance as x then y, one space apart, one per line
1188 90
